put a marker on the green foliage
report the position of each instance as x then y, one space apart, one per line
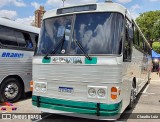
156 46
149 23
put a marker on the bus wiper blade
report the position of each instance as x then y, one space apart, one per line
57 47
80 46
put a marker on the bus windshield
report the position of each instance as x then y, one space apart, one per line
98 33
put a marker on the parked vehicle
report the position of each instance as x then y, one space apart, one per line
92 60
17 45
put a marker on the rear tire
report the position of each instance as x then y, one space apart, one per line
132 97
11 90
148 82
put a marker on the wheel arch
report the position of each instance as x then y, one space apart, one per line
135 82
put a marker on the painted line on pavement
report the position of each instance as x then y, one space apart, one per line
147 93
146 88
150 93
156 80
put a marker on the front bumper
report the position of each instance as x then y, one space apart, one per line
90 108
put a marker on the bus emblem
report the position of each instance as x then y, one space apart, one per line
63 51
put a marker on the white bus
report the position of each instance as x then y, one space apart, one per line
17 45
91 61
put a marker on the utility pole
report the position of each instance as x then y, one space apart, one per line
63 2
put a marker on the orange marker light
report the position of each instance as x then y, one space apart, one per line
114 92
31 85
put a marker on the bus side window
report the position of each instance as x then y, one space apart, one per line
149 51
36 39
7 36
145 48
136 37
28 40
127 43
20 39
141 43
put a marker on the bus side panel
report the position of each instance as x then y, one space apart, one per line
16 62
126 84
131 70
140 68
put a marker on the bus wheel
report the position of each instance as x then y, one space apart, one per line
11 90
132 97
148 82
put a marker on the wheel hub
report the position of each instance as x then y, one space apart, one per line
11 91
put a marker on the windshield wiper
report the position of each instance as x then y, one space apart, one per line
57 47
82 49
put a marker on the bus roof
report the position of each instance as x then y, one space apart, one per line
101 7
13 24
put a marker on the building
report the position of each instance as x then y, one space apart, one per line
38 16
33 23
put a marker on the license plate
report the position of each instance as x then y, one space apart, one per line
65 89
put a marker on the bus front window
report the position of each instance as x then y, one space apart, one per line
98 33
52 33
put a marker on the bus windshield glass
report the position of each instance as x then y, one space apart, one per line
98 33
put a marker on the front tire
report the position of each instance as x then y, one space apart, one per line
11 90
132 97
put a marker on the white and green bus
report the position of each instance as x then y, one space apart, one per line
91 61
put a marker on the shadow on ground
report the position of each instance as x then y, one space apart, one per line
27 95
128 114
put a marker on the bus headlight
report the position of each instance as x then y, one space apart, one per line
101 93
37 86
43 87
92 92
40 87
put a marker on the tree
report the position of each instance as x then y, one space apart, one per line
156 46
149 22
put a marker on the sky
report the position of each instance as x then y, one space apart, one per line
22 11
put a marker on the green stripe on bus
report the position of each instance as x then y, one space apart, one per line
78 107
110 107
93 61
114 109
66 102
48 60
77 110
109 113
88 105
67 109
